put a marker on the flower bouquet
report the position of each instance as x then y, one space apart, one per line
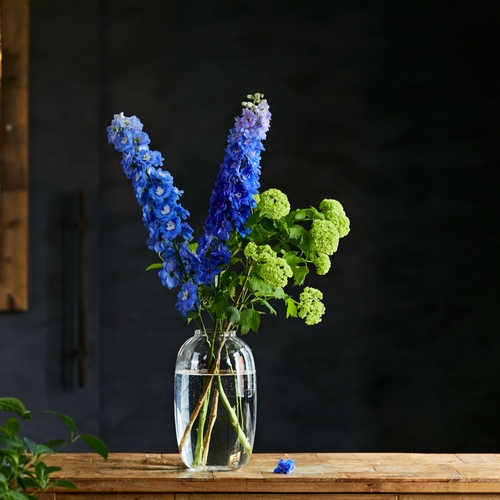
252 247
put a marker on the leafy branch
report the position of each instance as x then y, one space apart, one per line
282 245
23 471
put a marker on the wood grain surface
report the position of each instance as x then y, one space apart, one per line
14 156
383 475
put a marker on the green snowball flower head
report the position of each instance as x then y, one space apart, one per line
334 212
310 307
259 253
275 272
251 251
322 263
274 203
325 237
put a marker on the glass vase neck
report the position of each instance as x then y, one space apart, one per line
210 332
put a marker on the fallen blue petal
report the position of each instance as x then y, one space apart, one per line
285 467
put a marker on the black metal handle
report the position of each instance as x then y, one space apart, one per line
82 286
74 290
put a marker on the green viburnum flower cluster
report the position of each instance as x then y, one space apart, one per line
273 270
281 248
274 203
322 263
325 237
310 306
334 212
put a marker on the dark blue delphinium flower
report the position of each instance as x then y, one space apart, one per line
284 467
233 196
170 274
187 298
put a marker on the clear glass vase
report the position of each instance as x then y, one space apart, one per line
215 401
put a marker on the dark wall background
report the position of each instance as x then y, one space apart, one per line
390 107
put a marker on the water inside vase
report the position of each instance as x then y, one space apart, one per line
225 450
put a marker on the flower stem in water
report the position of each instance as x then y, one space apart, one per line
234 420
211 422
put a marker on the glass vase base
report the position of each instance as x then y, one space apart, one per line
235 462
213 468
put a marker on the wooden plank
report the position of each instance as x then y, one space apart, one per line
13 250
315 473
428 496
14 171
14 156
115 496
47 496
281 496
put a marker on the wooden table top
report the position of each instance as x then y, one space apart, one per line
325 472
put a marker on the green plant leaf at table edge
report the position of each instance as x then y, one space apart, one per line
13 405
96 444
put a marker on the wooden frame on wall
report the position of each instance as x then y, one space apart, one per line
14 155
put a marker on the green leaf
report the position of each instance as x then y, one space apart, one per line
232 314
282 228
29 482
192 315
270 307
41 473
96 444
67 420
13 442
55 443
12 426
300 235
3 481
313 213
52 468
40 468
30 444
299 275
268 226
227 281
10 456
157 265
41 449
310 213
250 320
64 483
291 308
220 303
262 232
293 260
279 293
298 214
30 473
14 495
13 405
258 286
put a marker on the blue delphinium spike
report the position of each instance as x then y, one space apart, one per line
237 183
162 213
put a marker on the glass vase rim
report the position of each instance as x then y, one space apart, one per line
210 331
